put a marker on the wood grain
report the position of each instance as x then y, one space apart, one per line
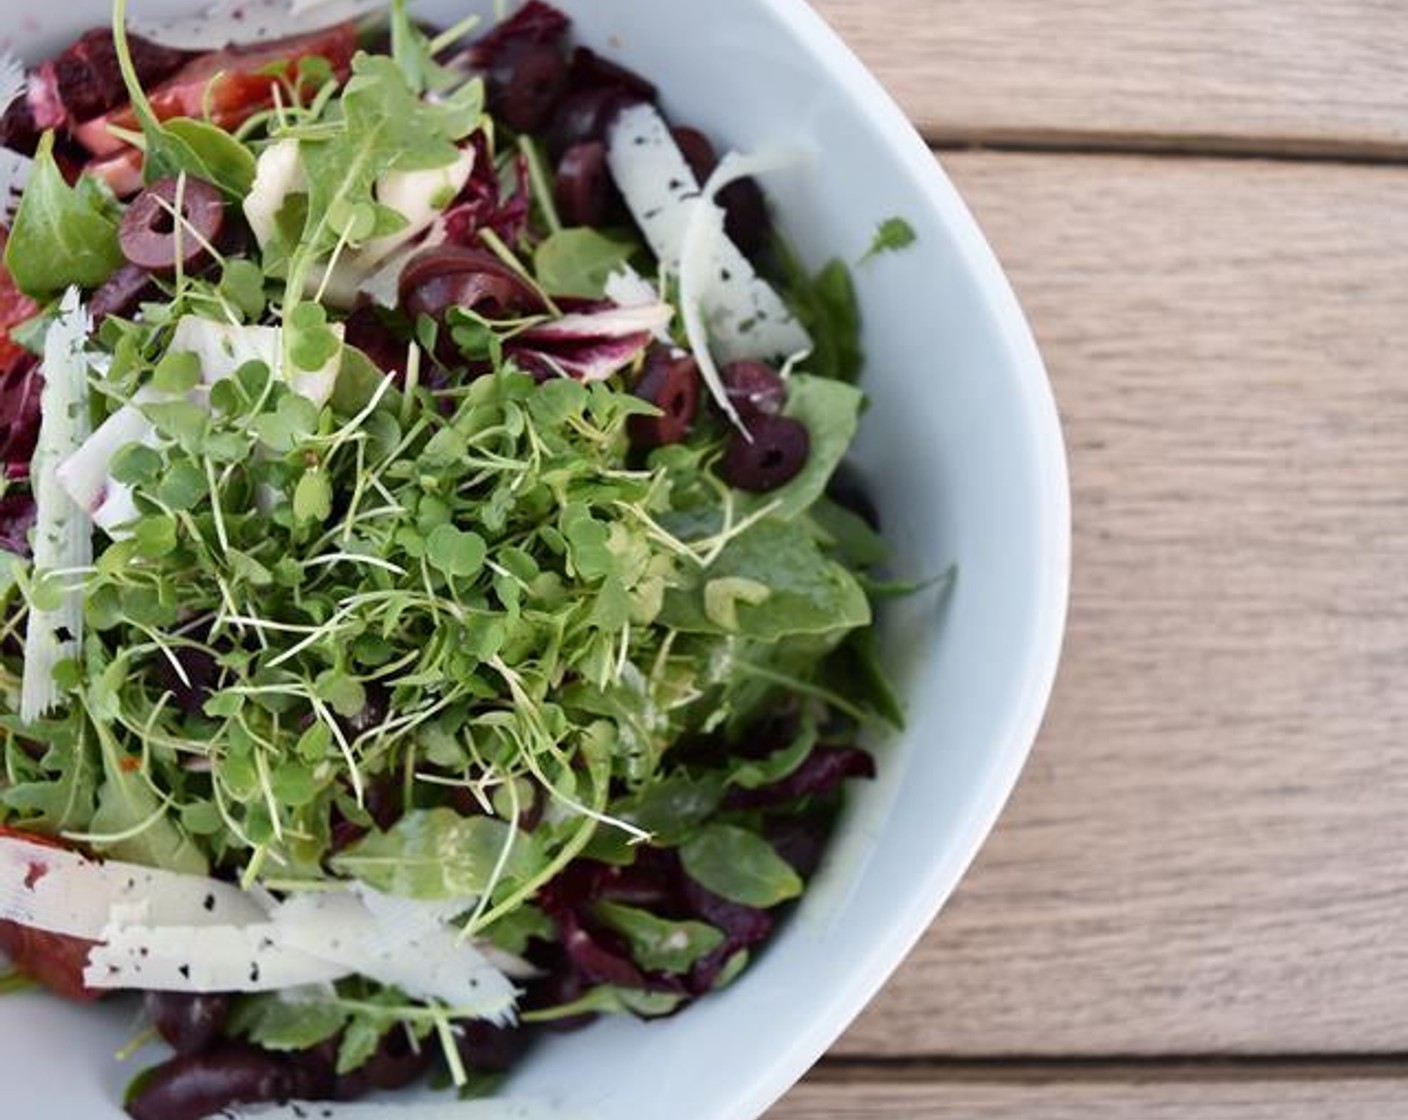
1064 1099
1293 75
1207 853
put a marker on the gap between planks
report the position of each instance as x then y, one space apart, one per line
1062 143
1114 1069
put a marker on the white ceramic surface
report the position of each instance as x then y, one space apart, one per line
964 448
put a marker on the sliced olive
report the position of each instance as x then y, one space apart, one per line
754 389
671 383
446 276
775 453
582 187
583 116
526 83
188 1022
152 238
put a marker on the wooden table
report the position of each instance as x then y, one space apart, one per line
1196 905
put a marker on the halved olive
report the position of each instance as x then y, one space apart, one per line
150 235
754 389
582 187
671 383
775 453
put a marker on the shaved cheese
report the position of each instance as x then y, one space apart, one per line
13 79
86 475
223 348
726 304
64 892
173 958
745 315
251 22
495 1109
418 196
278 174
63 533
423 957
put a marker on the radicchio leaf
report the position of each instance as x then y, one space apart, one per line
592 345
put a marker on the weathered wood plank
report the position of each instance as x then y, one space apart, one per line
1207 853
1298 75
1184 1099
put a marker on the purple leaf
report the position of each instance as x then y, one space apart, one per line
824 770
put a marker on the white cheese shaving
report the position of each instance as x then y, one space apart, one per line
417 953
418 196
13 78
727 307
654 177
251 22
278 174
173 958
64 892
15 170
495 1109
63 533
87 474
223 348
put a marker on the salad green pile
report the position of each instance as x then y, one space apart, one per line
448 634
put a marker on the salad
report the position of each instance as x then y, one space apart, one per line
436 609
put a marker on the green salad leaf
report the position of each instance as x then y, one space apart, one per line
740 866
62 235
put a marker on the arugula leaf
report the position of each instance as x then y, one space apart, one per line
740 866
286 1025
438 854
578 261
808 594
659 945
141 828
62 235
827 305
59 794
892 236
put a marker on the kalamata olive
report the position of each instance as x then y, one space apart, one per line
754 389
149 234
490 1048
582 187
777 451
585 116
446 276
122 292
194 1086
188 1022
746 209
671 383
525 84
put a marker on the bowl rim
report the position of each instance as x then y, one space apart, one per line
859 983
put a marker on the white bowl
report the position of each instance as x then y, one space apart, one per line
964 447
